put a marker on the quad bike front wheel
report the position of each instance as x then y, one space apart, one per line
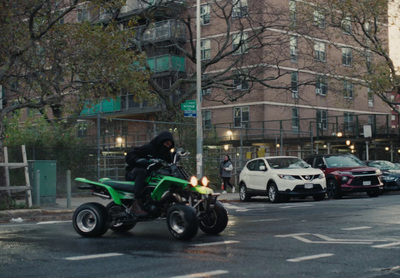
182 221
215 221
91 220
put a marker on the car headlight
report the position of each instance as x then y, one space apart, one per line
321 176
386 178
345 178
286 177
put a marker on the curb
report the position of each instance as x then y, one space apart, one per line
31 215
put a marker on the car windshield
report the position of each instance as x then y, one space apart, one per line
287 163
383 165
343 161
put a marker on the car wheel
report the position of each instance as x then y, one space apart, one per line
374 193
332 190
244 195
273 194
319 197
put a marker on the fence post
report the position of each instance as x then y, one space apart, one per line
37 191
68 188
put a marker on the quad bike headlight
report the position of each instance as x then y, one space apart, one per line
204 181
193 181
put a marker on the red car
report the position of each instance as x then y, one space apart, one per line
345 173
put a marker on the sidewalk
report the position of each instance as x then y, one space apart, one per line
61 211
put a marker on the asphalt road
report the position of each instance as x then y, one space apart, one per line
353 237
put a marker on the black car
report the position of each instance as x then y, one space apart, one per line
390 173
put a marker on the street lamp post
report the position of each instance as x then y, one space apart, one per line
199 118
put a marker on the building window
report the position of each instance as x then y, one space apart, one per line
205 14
368 61
82 14
239 43
293 49
294 84
322 119
240 8
292 13
207 119
319 19
205 92
240 81
321 85
348 89
205 49
295 118
348 121
370 94
241 116
320 51
347 56
371 120
346 25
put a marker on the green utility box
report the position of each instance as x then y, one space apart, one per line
48 180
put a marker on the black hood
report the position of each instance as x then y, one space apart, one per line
164 136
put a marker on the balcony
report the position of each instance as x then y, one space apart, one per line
167 63
120 105
135 6
162 31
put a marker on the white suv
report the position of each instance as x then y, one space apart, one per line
281 178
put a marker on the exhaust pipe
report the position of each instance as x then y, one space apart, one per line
101 195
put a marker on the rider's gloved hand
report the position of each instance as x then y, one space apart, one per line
142 162
155 160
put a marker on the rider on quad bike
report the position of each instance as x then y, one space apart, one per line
138 159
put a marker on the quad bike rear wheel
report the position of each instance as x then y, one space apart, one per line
91 220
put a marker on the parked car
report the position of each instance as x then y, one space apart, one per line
345 173
281 178
390 173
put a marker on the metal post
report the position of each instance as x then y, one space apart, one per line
199 118
37 191
68 188
98 145
241 150
366 151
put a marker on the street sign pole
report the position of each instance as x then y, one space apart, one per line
199 118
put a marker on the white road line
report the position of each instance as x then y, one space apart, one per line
52 222
265 220
307 258
89 257
386 245
215 243
357 228
296 206
203 274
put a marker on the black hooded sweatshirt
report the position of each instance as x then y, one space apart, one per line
154 149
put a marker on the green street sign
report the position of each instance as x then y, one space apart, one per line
189 105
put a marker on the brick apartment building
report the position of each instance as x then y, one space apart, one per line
287 87
275 81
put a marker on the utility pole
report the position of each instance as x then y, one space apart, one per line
199 118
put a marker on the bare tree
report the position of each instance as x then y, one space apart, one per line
245 49
49 60
359 30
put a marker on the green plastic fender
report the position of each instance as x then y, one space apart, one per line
167 181
115 195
